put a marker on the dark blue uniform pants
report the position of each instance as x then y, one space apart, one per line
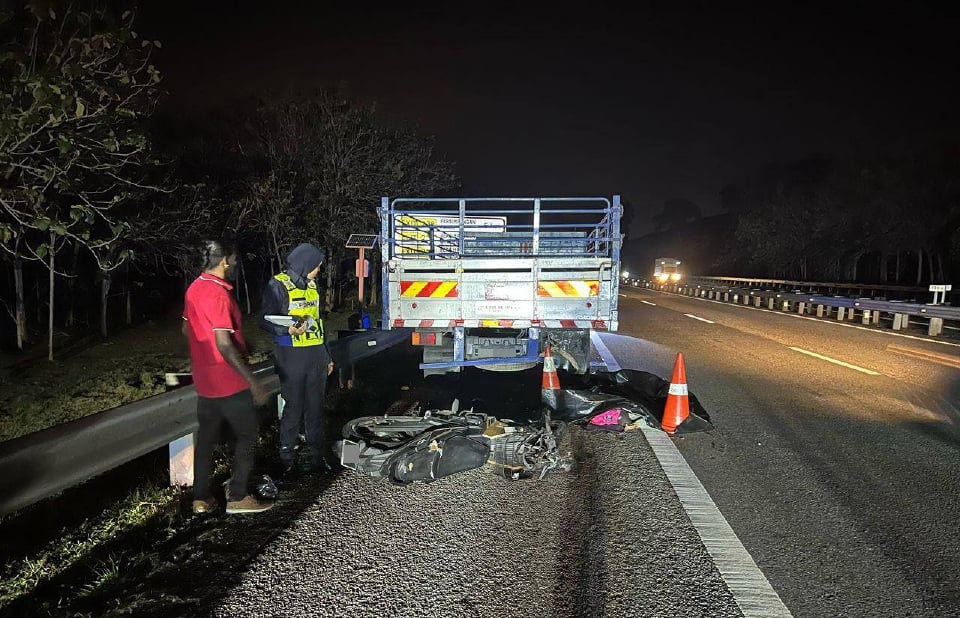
303 385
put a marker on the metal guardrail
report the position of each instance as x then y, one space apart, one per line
42 464
870 309
751 282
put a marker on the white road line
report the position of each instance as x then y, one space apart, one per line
647 302
696 317
834 361
746 582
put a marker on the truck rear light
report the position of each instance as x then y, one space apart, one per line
398 323
598 324
424 338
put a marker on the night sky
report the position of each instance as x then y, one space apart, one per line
651 103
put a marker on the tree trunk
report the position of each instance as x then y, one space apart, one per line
930 270
104 299
71 285
919 265
276 252
331 261
943 277
129 296
246 288
374 280
20 311
896 275
53 239
883 267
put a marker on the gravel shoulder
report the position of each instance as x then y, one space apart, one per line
608 539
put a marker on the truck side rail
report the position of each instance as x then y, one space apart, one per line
508 227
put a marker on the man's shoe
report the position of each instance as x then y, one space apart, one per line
249 504
205 506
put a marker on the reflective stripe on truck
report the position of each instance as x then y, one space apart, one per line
417 323
428 289
568 289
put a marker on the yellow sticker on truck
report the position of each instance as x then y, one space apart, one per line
568 289
428 289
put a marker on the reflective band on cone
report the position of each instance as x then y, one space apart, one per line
677 408
551 381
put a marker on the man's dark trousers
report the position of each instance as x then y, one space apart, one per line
303 385
238 413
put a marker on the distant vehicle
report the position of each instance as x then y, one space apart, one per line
667 269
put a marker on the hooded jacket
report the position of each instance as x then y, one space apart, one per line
301 260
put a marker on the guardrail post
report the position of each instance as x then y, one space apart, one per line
936 327
898 321
841 313
786 305
852 312
876 317
801 307
756 301
181 461
726 297
866 317
770 302
819 311
736 298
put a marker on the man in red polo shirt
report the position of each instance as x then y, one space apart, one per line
227 390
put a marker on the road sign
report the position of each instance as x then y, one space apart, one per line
940 288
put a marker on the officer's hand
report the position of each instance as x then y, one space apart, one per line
297 330
329 367
260 394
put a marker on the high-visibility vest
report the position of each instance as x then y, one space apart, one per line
304 303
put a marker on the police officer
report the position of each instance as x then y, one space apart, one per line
301 355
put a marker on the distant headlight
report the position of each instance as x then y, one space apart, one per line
662 277
675 276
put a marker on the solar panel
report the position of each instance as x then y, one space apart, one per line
362 241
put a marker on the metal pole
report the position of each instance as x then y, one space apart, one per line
360 274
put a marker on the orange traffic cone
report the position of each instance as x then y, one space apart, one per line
551 381
550 386
678 402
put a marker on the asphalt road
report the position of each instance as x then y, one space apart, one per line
837 453
609 539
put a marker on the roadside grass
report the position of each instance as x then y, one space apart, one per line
72 551
39 405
